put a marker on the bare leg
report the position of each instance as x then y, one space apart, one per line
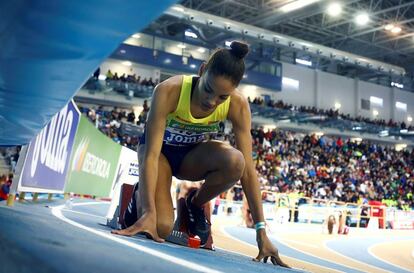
218 163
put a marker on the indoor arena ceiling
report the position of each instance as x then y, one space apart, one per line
387 36
312 23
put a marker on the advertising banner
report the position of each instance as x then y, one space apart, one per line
400 219
128 173
47 161
94 162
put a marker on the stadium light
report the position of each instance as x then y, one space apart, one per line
127 63
362 19
334 9
375 113
296 5
409 119
337 105
389 26
396 30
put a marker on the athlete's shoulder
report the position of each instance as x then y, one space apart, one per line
239 106
171 85
238 100
167 93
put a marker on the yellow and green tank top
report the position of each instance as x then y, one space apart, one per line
182 129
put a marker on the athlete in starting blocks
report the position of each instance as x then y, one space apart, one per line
184 117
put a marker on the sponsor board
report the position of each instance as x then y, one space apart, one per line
47 160
127 173
94 162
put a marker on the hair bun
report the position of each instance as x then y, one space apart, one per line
239 49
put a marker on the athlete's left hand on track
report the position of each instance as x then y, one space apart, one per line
267 250
145 225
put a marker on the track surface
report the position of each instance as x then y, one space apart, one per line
51 237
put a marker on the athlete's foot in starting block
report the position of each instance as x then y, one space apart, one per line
198 224
145 225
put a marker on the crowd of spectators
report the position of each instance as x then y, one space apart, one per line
331 113
333 168
129 85
132 78
322 167
111 122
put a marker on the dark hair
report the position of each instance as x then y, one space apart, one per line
228 63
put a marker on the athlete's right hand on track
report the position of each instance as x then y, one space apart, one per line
268 250
147 225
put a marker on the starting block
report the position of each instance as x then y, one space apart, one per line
181 225
180 234
125 195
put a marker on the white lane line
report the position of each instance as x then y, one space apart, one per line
298 242
143 240
352 259
57 211
84 213
385 261
91 203
290 257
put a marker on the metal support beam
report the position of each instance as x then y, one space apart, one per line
373 14
373 30
314 29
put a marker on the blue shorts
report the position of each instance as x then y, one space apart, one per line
174 154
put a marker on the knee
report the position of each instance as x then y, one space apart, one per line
235 165
164 228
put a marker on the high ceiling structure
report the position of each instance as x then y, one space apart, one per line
312 23
386 36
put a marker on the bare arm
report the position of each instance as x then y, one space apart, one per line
240 117
162 104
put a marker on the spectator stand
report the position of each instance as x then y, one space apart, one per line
127 85
280 112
